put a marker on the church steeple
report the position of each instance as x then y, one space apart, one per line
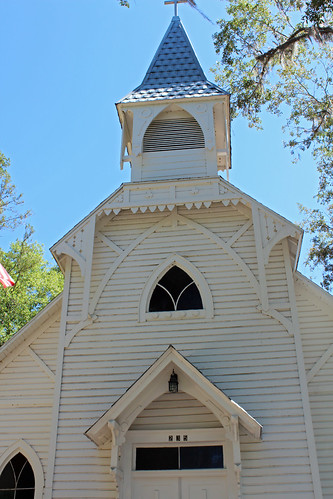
176 117
175 71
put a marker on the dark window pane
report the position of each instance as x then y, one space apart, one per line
18 462
192 458
7 479
190 299
26 477
184 292
157 458
19 477
7 494
25 494
175 280
160 301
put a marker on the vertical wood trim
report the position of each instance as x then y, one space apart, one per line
302 376
260 257
58 380
87 275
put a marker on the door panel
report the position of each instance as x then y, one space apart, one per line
204 488
156 488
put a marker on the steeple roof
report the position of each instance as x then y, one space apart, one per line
175 71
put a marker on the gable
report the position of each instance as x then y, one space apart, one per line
153 384
27 382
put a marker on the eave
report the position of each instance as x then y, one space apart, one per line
192 193
121 105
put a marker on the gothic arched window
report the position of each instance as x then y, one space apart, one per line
17 480
175 291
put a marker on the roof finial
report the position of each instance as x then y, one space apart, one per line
175 2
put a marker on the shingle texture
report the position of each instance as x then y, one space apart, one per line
175 71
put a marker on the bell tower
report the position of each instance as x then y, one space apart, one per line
176 124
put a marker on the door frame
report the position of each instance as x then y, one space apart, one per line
187 437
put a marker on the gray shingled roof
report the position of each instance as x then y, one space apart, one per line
175 71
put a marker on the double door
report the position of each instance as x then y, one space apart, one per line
189 486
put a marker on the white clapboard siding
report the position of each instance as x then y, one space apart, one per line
26 393
276 283
175 410
317 337
45 346
76 291
174 164
250 356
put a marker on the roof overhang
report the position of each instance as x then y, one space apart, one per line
120 106
195 192
153 383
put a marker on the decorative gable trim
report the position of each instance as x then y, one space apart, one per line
152 384
166 194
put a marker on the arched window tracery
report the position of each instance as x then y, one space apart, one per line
176 290
17 480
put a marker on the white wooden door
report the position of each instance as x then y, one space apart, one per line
155 488
198 487
203 488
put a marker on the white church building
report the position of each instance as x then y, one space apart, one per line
186 357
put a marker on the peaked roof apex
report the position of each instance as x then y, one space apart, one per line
174 71
175 60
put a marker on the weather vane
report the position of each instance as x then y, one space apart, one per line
175 2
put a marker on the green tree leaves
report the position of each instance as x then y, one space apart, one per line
277 55
36 283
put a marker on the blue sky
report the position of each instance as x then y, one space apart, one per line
64 64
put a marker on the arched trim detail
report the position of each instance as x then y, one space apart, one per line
24 448
192 271
200 228
282 234
226 247
198 116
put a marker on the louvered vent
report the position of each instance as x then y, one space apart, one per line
173 135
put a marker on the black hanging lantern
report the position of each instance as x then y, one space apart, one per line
173 382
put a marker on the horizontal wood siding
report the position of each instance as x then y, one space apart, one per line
175 410
76 291
317 337
276 277
174 164
26 395
250 356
